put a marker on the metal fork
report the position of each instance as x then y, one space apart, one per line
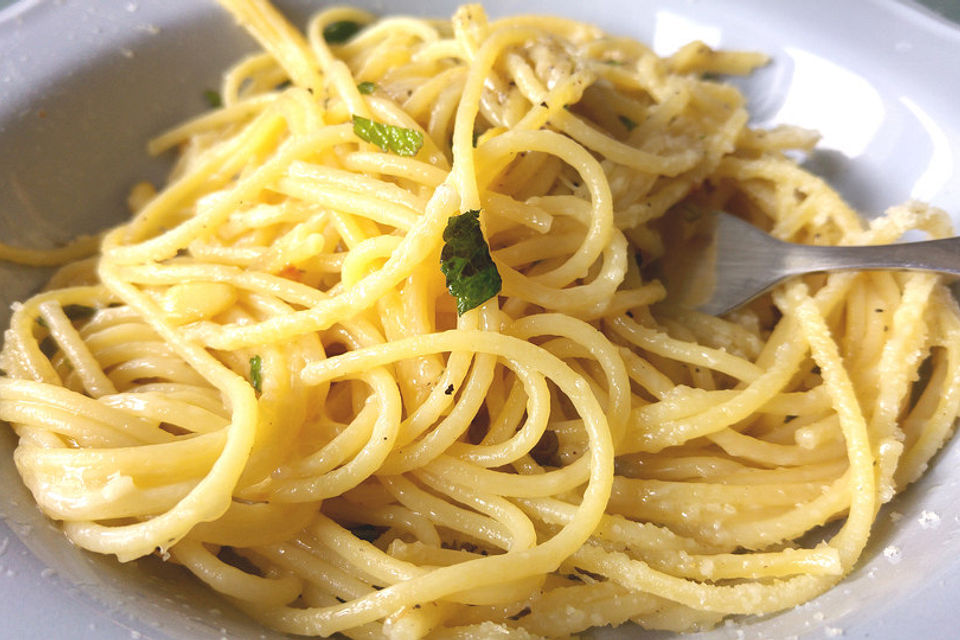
731 262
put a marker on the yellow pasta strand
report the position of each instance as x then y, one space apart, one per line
263 377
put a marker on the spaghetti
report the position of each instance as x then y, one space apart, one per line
262 377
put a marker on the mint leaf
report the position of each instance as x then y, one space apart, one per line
472 277
340 31
213 98
256 373
403 142
366 88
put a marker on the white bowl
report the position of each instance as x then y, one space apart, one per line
82 86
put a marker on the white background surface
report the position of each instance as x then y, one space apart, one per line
881 80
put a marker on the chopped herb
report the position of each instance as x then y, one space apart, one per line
42 322
213 98
340 31
472 277
590 574
628 123
614 63
403 142
476 136
256 373
449 390
366 88
519 614
789 418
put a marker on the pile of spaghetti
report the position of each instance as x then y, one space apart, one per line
263 375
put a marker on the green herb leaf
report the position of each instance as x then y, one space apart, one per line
403 142
366 88
256 373
341 31
628 123
213 98
519 614
472 277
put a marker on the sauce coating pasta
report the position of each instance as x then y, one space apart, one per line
262 376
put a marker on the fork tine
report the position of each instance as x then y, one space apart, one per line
747 262
723 263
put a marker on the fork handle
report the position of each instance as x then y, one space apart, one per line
941 255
